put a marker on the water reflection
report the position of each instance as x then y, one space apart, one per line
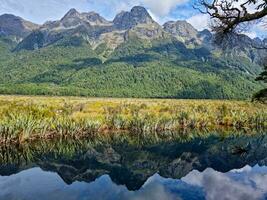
247 183
197 169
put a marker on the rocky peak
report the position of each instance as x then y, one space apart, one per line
184 32
258 41
206 36
11 25
141 15
72 19
180 28
147 31
206 33
71 13
127 20
237 40
95 19
9 17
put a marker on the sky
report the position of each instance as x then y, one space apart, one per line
40 11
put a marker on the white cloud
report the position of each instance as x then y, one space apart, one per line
162 8
40 11
155 17
159 8
200 21
247 183
247 168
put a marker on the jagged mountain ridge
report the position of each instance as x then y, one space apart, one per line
92 28
137 23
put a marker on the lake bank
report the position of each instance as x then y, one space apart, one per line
29 118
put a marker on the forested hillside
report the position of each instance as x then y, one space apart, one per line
94 57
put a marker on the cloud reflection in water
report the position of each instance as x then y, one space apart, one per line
247 183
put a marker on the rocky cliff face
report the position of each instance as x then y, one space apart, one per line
128 20
183 31
17 27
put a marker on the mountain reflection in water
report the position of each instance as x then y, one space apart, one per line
211 168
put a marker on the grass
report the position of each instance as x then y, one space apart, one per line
25 118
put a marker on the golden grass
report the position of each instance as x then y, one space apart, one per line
27 117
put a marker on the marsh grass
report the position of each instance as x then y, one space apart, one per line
30 118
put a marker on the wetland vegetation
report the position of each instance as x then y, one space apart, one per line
30 118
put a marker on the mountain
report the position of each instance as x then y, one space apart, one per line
130 56
17 27
94 29
128 20
85 25
184 32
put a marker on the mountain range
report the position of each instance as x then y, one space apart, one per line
131 56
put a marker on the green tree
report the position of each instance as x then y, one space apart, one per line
262 95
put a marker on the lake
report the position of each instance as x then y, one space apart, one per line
214 167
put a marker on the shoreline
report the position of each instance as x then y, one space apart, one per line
186 134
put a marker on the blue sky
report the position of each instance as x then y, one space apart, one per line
39 11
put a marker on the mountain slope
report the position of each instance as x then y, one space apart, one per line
77 71
131 56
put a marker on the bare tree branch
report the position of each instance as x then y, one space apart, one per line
228 14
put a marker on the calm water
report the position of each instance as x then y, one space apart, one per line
212 168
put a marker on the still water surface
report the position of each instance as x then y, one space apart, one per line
211 168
